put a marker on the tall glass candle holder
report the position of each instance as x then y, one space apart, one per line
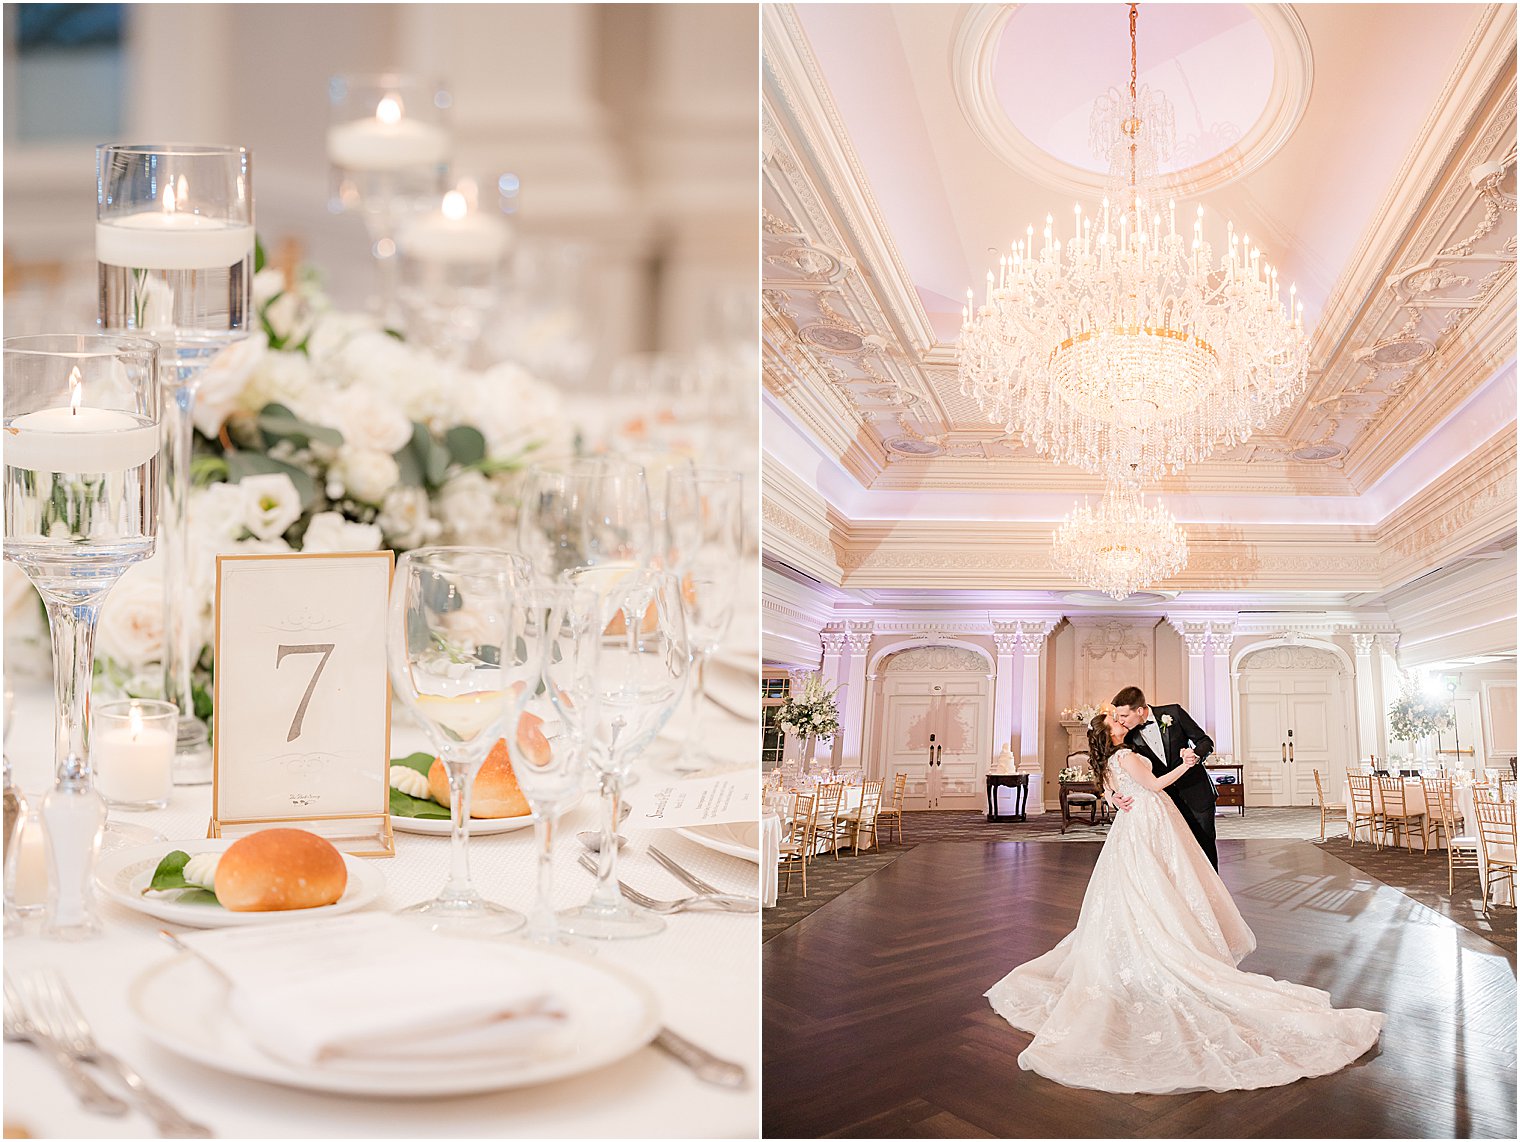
451 273
388 145
174 243
81 506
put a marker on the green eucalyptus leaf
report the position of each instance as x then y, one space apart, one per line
279 422
241 464
466 444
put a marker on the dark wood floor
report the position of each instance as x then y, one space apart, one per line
875 1025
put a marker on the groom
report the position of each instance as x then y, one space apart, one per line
1167 736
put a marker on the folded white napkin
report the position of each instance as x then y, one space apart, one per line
374 988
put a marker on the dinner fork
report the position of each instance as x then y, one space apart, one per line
20 1027
55 1010
715 903
687 877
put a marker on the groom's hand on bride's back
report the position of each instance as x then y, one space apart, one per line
1121 801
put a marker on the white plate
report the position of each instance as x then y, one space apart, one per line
182 1005
740 839
122 876
479 826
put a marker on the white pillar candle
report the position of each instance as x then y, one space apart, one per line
170 240
134 763
79 439
387 142
455 235
29 889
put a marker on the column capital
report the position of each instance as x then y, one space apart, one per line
1388 643
1197 642
1221 634
1362 643
1032 634
860 636
833 639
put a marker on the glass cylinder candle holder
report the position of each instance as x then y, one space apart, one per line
174 235
388 146
81 506
451 273
134 753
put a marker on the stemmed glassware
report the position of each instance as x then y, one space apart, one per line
174 242
388 144
641 670
551 714
586 513
456 648
704 520
81 506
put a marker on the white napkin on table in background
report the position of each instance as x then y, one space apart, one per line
376 988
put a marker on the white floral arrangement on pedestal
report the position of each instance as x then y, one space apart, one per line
812 711
1416 715
322 432
1084 713
1075 773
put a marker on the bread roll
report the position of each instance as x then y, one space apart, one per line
495 792
274 870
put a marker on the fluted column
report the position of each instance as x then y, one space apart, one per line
1366 695
1005 638
852 710
1392 679
834 639
1222 698
1029 642
1198 690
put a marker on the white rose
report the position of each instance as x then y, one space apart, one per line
364 473
270 504
289 317
406 520
28 649
333 330
330 532
281 378
216 514
469 510
513 411
267 284
224 379
368 421
132 628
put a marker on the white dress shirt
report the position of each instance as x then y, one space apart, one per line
1151 732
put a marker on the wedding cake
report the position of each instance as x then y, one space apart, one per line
1003 763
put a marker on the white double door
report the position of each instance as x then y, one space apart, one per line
937 729
1290 725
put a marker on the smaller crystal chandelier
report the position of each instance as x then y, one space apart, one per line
1123 546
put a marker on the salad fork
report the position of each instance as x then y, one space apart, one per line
20 1027
713 903
57 1012
691 879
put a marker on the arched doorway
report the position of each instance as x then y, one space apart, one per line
933 721
1296 716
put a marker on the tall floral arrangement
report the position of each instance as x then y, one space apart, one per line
812 711
1416 715
324 432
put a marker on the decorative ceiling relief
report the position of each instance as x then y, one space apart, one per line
939 658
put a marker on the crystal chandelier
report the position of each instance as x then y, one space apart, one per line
1125 349
1123 546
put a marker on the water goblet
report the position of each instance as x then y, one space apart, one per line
586 513
641 669
704 520
81 506
549 713
455 647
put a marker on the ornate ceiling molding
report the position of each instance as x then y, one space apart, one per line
973 58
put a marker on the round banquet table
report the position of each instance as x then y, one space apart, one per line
704 968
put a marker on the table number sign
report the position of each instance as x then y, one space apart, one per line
302 702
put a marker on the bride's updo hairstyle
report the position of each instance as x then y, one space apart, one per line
1100 746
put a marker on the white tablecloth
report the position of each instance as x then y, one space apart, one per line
770 854
705 969
1464 799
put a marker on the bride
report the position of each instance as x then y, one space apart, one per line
1144 995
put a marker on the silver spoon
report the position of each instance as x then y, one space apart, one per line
592 838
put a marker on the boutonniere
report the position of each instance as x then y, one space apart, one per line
1166 721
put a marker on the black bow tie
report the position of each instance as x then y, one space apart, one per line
1152 722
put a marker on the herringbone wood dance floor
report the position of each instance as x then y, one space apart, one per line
875 1025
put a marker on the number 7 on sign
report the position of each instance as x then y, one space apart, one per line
325 649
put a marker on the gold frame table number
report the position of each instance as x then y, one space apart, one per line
302 698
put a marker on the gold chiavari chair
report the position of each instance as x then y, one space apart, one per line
863 819
1461 845
1398 816
828 813
1506 788
798 845
1325 807
1496 833
1439 807
1363 807
892 812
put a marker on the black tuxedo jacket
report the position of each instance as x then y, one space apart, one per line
1194 788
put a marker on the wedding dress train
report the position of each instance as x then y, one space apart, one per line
1144 995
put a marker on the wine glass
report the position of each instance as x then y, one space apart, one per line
550 712
641 669
81 506
456 649
704 518
591 512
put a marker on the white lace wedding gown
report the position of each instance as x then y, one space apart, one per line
1144 995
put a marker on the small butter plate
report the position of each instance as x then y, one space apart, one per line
122 876
479 826
738 839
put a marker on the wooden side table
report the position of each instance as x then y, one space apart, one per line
1233 794
1019 783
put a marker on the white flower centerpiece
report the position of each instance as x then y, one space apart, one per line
810 713
323 432
1416 715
